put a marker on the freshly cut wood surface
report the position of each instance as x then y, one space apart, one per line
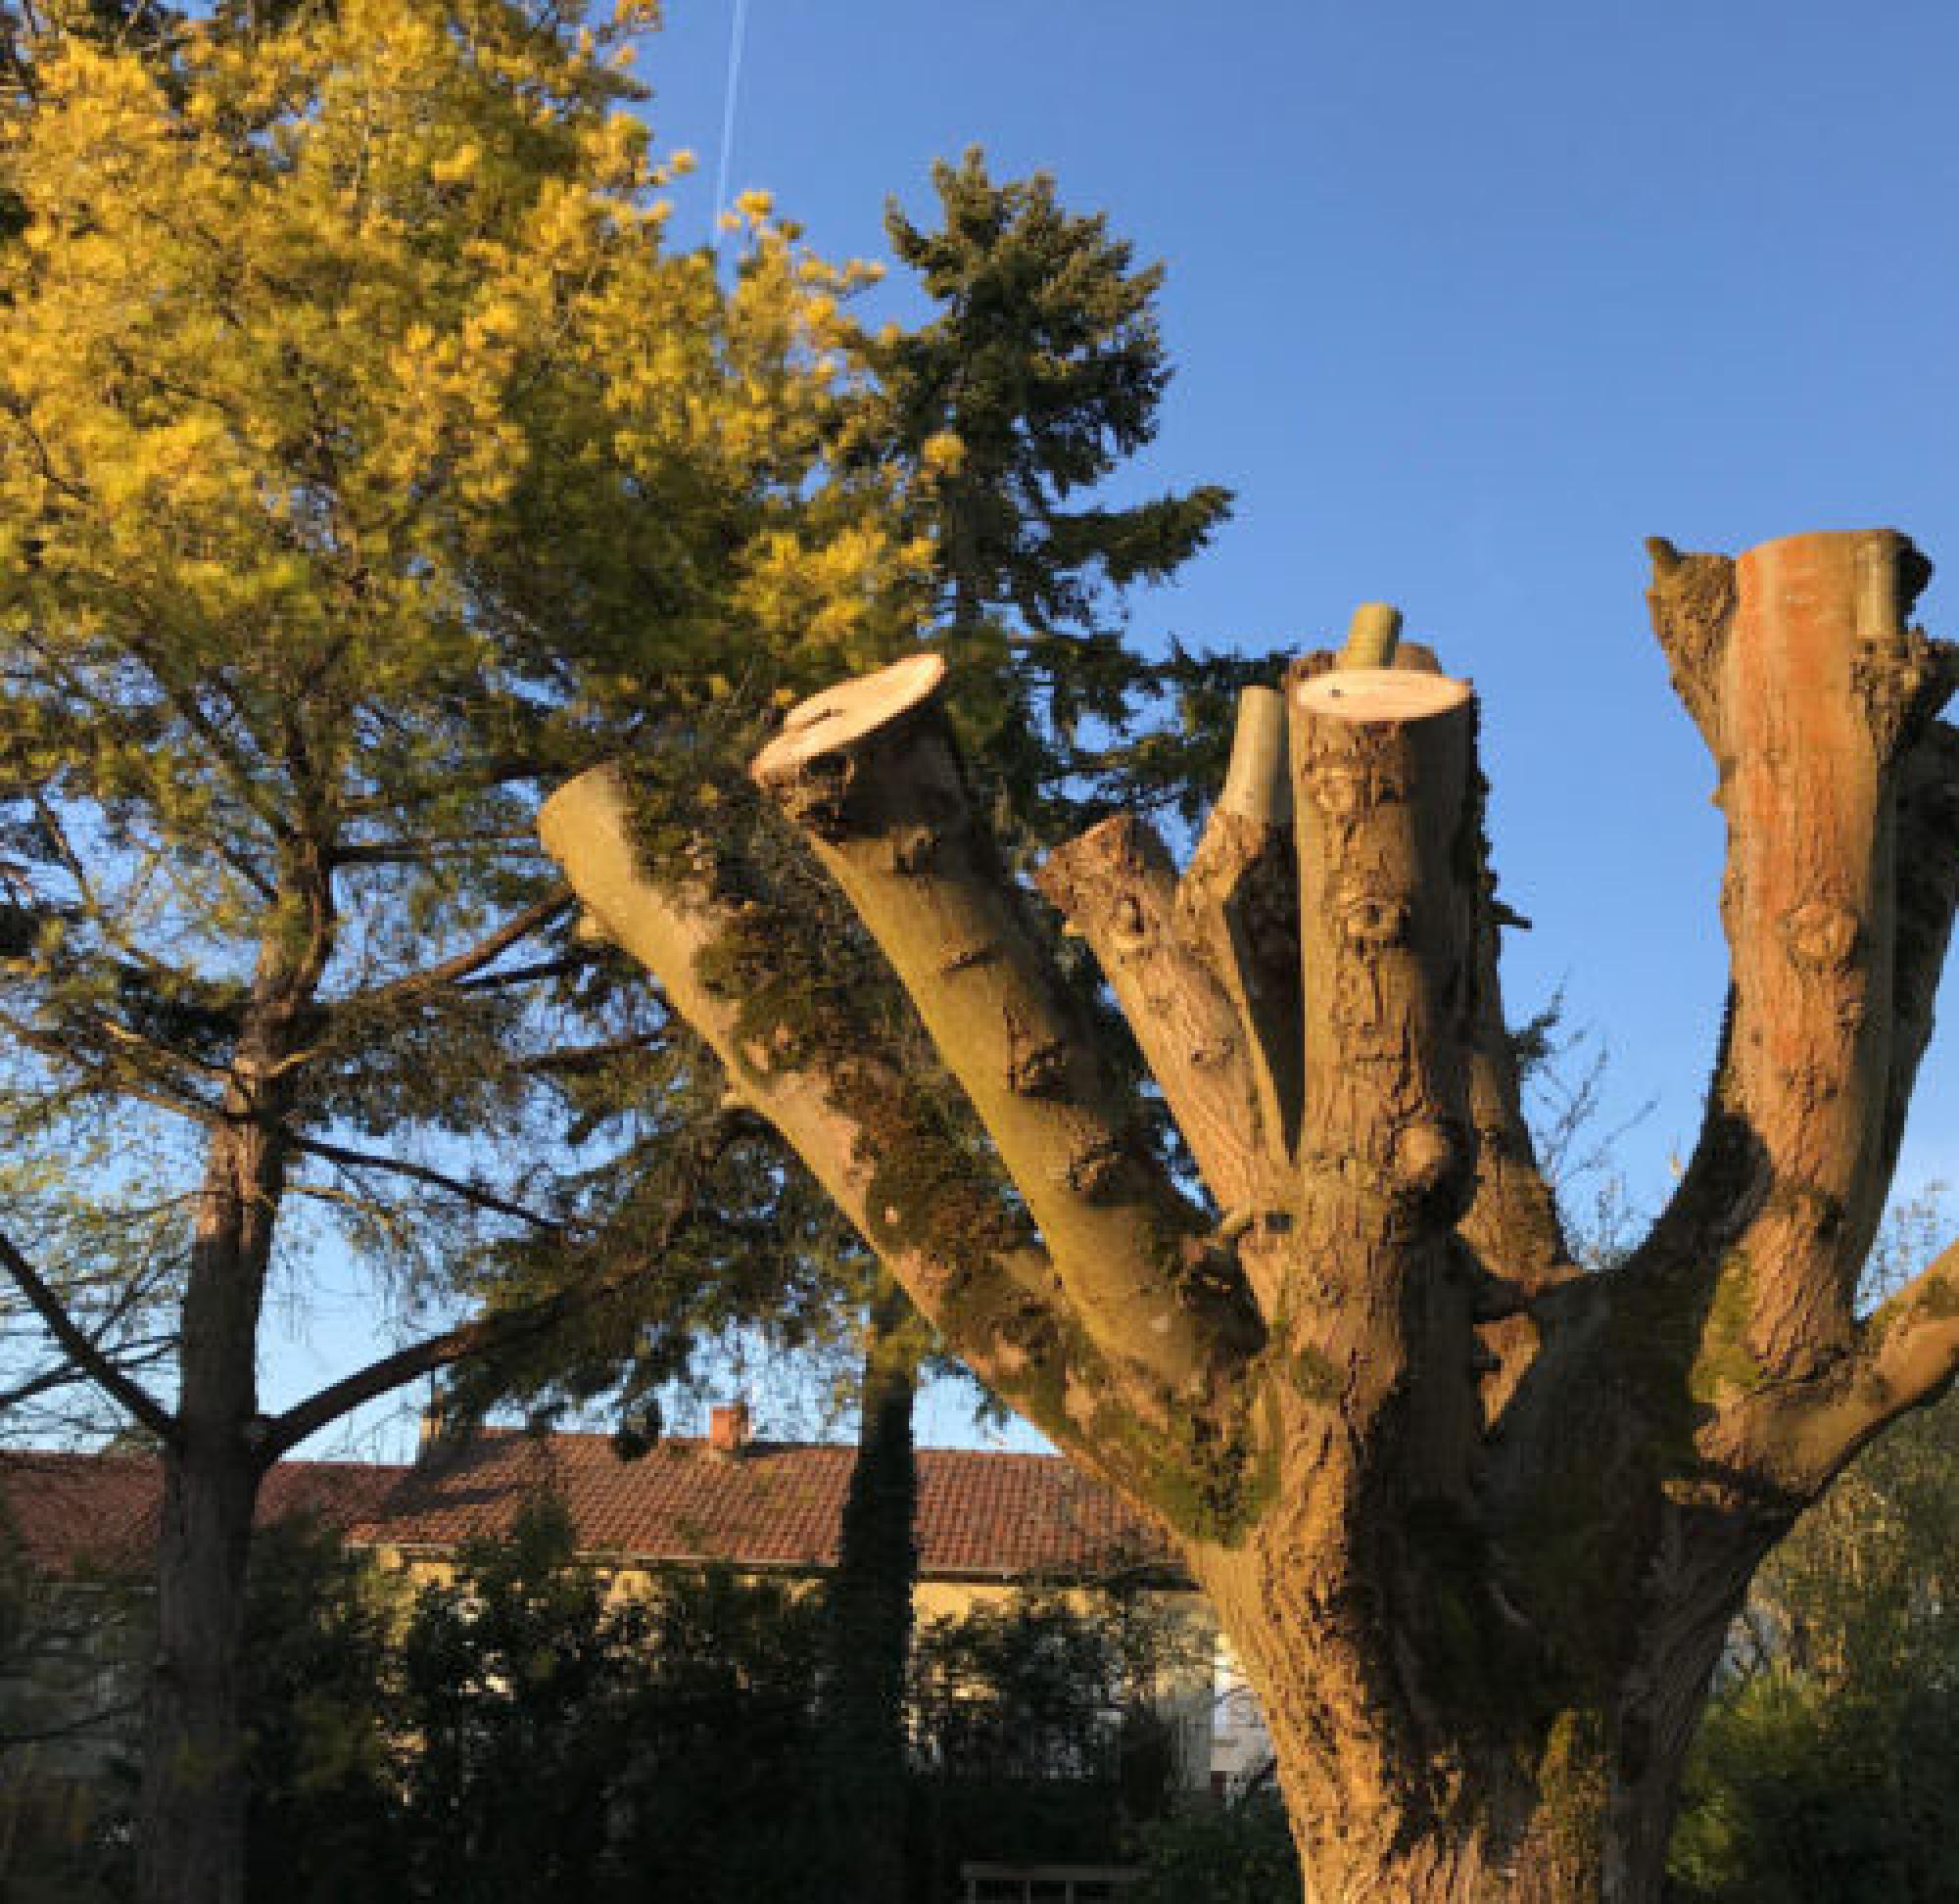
847 712
1379 695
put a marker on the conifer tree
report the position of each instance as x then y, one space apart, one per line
366 463
1040 372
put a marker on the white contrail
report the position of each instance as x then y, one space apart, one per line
737 33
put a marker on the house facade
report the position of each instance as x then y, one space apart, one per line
990 1526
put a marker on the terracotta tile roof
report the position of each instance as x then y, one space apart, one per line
981 1515
97 1513
773 1504
80 1513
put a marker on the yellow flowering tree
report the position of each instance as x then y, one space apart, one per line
365 462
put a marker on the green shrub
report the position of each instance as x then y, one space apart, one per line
1236 1853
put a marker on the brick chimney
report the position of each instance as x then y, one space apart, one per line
728 1428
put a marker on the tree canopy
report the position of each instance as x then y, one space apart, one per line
366 460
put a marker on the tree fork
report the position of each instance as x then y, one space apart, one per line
1480 1605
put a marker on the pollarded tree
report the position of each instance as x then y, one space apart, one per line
1475 1523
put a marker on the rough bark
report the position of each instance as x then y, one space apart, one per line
1475 1524
873 780
191 1804
192 1801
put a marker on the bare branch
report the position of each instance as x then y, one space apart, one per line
1116 888
1239 903
1512 1228
1928 892
866 1137
459 1188
109 1078
1812 692
485 951
1382 772
526 975
75 1342
73 1728
1905 1355
576 1059
487 1335
417 852
868 773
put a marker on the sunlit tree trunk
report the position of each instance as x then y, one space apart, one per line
192 1801
1474 1523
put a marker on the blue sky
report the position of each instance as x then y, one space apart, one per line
1464 304
1465 301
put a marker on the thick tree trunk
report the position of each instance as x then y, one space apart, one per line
870 1621
1474 1523
193 1797
191 1805
1434 1746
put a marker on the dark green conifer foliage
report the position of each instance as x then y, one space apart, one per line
1042 371
1040 374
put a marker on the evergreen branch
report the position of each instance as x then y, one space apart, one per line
82 1348
107 714
459 1187
137 1045
507 770
588 1058
108 1080
247 783
487 1335
51 1381
482 1336
50 820
485 951
413 852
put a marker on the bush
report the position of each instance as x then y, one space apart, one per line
524 1734
1038 1733
1825 1769
521 1735
1237 1853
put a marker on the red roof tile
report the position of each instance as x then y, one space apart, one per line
981 1515
774 1504
95 1513
79 1514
